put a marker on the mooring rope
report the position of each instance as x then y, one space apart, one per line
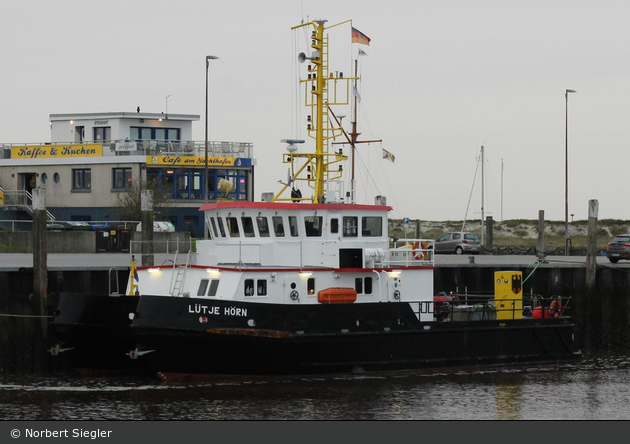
7 315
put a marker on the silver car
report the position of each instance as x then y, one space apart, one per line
458 242
618 248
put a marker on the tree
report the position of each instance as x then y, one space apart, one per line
128 202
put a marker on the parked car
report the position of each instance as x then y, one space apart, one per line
618 248
458 242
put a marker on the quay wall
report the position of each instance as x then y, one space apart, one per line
602 318
83 242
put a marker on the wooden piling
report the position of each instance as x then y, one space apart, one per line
148 217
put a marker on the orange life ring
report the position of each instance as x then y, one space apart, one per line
554 308
419 254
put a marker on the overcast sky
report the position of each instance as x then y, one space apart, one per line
440 80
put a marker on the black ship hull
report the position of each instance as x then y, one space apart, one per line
181 336
92 332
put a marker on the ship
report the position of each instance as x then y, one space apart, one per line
308 282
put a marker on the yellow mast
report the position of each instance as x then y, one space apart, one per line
322 90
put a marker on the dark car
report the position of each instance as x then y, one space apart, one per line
458 242
618 248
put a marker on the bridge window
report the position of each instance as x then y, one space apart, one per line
263 226
214 232
221 227
334 225
232 226
313 225
350 226
278 227
372 226
248 226
293 224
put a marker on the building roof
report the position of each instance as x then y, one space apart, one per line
121 115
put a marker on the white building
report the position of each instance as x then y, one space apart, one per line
92 157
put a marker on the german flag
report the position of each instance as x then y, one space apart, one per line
359 37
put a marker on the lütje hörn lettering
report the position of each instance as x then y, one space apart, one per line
65 433
212 310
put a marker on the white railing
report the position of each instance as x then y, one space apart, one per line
411 252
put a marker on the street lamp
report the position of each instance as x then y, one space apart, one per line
205 168
566 171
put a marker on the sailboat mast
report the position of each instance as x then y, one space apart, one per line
482 193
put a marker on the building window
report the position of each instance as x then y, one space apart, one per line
184 183
102 134
121 178
44 177
56 177
82 179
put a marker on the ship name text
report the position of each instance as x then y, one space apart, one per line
214 310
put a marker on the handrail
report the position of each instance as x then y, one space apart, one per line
22 199
151 147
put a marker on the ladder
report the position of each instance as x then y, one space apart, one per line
179 275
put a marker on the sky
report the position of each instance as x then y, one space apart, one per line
441 79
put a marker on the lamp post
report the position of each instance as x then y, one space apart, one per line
205 167
566 171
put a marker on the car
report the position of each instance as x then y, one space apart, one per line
458 242
618 248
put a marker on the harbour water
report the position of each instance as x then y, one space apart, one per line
594 388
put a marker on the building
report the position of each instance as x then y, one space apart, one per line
93 157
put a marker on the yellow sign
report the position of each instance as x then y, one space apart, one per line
194 161
1 197
57 151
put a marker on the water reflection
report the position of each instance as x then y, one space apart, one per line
597 388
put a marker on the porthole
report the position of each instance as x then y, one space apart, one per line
56 177
44 177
